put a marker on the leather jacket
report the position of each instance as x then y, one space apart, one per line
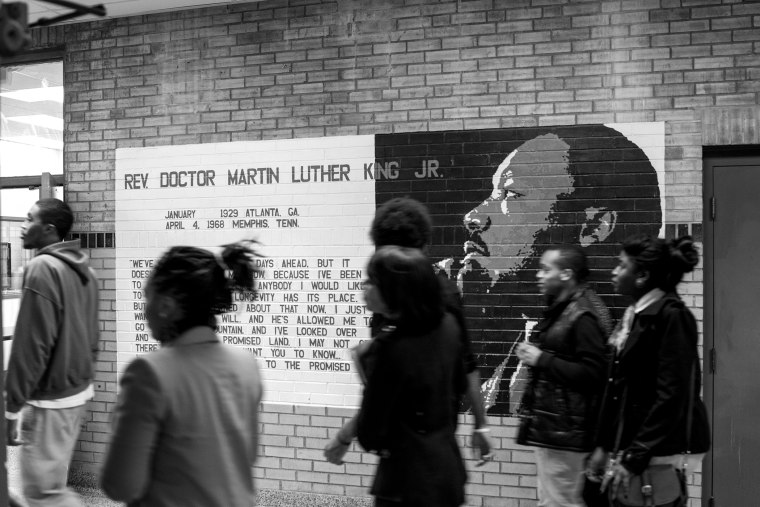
559 405
655 377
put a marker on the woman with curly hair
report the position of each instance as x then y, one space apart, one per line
186 423
652 414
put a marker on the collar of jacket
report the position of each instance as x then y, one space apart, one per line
552 314
194 336
648 313
654 308
557 307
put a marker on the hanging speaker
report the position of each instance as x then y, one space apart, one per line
14 28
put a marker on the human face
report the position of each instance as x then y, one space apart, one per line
526 185
552 279
624 276
373 299
33 230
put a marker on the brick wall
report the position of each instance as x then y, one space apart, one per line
287 69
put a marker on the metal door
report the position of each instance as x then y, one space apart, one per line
732 329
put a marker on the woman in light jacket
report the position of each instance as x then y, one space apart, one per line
186 424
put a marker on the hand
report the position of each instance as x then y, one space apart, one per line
335 450
596 462
481 445
618 476
528 353
11 432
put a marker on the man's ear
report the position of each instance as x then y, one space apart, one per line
600 222
51 231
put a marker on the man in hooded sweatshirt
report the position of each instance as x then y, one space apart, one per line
52 359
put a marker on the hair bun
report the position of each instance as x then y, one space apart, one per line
684 254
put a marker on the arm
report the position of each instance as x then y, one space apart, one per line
473 394
585 370
257 397
675 360
338 446
33 340
479 439
137 423
34 337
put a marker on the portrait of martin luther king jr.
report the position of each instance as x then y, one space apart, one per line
585 185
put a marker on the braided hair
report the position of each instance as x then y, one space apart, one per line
202 283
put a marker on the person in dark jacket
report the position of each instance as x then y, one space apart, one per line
407 414
652 396
406 222
566 361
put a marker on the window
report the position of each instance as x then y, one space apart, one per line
31 144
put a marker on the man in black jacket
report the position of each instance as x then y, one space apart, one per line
566 364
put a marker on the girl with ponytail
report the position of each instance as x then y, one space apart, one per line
185 429
652 414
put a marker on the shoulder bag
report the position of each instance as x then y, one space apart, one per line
658 484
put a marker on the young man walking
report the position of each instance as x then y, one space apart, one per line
566 360
52 359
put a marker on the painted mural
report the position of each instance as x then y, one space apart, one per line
498 198
503 196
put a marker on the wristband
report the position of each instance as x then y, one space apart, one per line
481 430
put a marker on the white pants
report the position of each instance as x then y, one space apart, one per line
560 477
49 437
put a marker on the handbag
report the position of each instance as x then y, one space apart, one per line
657 484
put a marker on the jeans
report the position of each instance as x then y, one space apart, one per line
49 437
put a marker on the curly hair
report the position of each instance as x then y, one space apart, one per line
665 261
403 222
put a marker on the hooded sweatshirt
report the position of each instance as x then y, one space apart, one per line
56 338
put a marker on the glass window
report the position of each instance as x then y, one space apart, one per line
31 143
31 109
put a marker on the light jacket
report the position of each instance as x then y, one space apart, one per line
185 430
55 342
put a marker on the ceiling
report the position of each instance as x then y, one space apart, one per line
117 8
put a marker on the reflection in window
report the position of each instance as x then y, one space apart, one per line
31 111
31 143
